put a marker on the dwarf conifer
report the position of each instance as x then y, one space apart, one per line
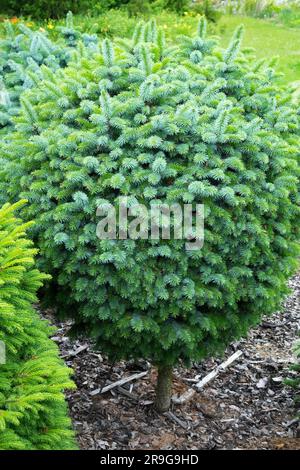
158 123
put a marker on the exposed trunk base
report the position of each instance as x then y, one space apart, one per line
164 388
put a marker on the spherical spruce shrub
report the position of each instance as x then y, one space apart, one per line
33 413
191 123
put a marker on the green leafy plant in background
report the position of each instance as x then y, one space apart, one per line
137 7
286 12
44 9
185 123
108 24
72 36
206 8
289 14
259 9
178 6
23 52
33 412
244 7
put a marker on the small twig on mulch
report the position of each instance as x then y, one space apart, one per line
199 385
118 383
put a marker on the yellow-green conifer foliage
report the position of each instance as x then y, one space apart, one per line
33 412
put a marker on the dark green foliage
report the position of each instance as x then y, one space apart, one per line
43 9
112 23
150 6
33 413
192 123
206 8
287 13
135 7
179 6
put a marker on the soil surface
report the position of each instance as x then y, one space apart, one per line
246 406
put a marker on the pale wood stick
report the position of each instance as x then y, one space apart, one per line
119 383
199 385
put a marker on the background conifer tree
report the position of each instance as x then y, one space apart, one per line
22 53
191 123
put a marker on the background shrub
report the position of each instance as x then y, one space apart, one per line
206 8
178 6
109 24
33 413
289 14
42 9
192 123
22 53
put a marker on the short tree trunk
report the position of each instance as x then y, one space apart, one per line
164 388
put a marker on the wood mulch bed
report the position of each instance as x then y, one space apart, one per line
247 406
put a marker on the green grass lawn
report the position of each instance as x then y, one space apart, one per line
269 40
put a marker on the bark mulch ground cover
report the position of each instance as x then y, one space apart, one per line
247 406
